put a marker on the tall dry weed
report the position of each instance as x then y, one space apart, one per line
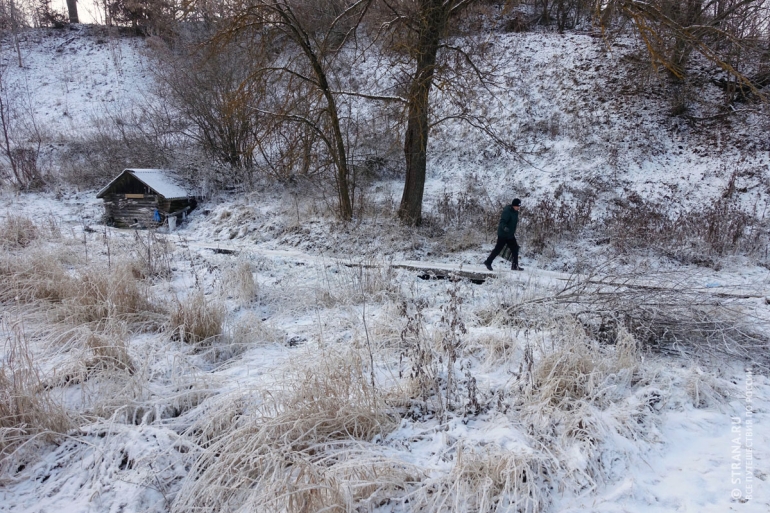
27 410
17 232
196 319
300 445
237 282
97 293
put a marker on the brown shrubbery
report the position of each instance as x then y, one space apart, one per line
696 235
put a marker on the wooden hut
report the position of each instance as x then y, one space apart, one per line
144 197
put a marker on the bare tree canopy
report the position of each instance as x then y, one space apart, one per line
732 34
292 46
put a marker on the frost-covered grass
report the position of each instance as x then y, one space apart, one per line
284 381
310 370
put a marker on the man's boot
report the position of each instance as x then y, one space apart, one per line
515 266
488 264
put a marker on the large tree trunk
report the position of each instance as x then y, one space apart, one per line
434 16
72 8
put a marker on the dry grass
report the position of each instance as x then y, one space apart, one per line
245 332
32 276
303 447
97 294
17 232
356 282
91 293
27 410
487 479
237 282
338 285
496 347
196 319
92 351
704 390
579 368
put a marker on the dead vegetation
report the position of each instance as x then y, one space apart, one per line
196 319
302 444
17 232
28 412
583 375
702 235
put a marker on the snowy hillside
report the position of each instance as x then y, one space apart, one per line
71 78
266 357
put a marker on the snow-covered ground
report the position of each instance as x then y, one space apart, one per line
331 383
69 79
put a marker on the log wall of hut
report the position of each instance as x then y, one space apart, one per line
124 212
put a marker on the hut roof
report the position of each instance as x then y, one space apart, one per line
162 181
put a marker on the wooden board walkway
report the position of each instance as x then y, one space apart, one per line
478 274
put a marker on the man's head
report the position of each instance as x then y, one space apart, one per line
516 203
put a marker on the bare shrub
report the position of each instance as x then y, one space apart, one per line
554 219
719 228
17 232
189 76
463 219
196 320
27 410
656 310
124 137
302 446
697 235
151 255
465 209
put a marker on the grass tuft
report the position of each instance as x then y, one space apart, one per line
27 410
196 320
303 447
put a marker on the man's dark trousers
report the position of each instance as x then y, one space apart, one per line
512 245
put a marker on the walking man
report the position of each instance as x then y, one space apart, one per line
506 235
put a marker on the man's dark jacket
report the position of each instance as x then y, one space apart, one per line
508 221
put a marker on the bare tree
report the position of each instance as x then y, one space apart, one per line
15 138
725 32
154 17
421 31
72 10
212 92
15 22
565 13
305 39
